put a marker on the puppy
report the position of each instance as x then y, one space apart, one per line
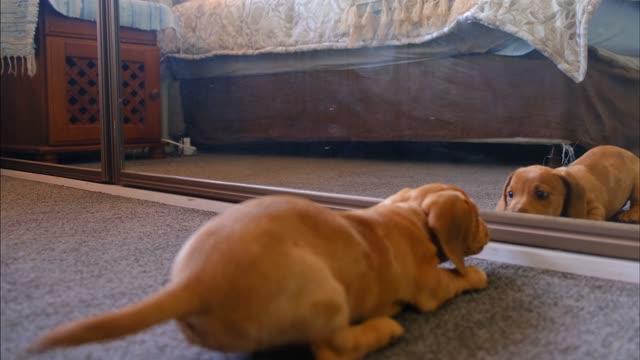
282 270
596 187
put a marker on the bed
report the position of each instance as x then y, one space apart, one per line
415 70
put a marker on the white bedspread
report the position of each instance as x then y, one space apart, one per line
557 28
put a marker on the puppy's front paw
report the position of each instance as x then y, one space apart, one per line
393 328
629 216
476 278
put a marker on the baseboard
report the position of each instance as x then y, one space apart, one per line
581 264
140 194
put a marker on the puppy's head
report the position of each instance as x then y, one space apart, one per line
451 218
544 191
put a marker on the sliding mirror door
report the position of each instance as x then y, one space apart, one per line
362 99
51 108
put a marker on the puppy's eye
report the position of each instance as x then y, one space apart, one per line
510 194
542 195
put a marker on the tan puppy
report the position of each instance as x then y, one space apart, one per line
282 270
596 187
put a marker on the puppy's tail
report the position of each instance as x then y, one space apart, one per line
171 302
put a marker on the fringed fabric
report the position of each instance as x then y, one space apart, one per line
18 21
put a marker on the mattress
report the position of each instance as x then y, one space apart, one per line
464 38
556 28
614 28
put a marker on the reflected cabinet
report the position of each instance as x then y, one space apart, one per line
57 110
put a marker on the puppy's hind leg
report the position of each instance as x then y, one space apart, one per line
354 342
327 320
633 214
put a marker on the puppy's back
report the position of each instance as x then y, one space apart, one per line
608 155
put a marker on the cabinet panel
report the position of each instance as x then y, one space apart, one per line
140 92
74 98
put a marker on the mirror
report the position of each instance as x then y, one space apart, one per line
50 99
365 98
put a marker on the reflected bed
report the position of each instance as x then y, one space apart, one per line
468 83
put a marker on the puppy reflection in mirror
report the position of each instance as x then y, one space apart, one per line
596 187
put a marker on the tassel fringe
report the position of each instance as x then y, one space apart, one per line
18 65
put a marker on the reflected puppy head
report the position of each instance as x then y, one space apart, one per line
544 191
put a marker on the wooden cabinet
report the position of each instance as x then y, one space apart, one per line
57 110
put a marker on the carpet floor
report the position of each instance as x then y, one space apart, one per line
68 253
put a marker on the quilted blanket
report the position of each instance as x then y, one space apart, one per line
557 28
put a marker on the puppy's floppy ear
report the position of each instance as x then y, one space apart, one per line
502 203
575 201
451 220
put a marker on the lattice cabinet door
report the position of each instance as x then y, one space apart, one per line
74 115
